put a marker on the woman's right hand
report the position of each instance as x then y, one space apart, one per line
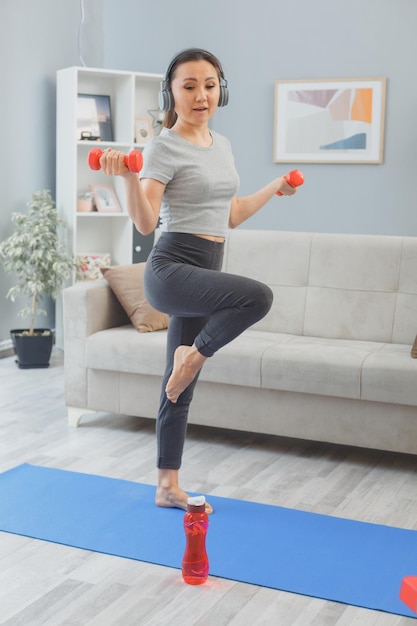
113 163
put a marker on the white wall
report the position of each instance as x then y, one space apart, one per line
259 42
37 37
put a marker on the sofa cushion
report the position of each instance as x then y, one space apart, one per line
269 360
126 282
315 365
390 375
341 368
122 349
353 283
279 259
405 324
349 314
240 362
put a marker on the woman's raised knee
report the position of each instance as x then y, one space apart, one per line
262 298
266 300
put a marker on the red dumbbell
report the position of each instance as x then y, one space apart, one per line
295 178
133 160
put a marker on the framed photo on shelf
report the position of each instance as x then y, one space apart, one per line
143 130
94 121
105 199
329 121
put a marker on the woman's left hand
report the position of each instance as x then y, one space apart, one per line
284 188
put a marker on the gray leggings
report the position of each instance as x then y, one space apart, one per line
207 308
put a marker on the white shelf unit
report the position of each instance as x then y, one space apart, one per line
132 94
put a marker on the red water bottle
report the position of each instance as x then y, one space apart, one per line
195 563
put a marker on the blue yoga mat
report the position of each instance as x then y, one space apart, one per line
306 553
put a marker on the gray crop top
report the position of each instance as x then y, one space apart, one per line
200 182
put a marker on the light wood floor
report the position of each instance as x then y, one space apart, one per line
53 585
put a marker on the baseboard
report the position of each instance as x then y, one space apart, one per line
6 348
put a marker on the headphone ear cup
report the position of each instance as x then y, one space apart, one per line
224 97
224 94
165 97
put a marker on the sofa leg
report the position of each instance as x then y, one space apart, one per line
75 414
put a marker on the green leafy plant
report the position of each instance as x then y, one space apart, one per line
36 255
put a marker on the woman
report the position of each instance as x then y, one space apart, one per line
189 183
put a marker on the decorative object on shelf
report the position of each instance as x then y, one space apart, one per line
35 254
86 135
143 130
329 121
105 199
157 117
85 202
94 121
88 266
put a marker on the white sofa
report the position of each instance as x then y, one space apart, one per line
330 362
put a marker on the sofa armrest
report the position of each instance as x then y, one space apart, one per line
88 307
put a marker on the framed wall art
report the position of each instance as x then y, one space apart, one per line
143 130
94 121
105 199
329 121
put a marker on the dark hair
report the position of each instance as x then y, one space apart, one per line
191 54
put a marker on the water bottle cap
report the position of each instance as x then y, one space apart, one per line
196 503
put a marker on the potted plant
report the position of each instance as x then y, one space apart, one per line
35 254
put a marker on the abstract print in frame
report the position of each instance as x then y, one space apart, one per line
329 121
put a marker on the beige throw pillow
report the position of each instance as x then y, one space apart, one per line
126 282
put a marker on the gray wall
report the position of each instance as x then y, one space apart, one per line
258 42
264 40
37 37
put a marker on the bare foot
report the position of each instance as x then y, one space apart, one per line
175 498
187 363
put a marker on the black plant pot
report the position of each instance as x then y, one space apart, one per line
32 351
